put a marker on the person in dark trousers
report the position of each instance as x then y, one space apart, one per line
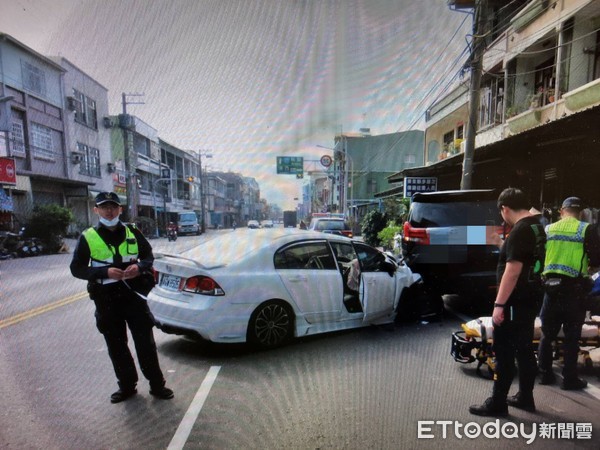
572 248
111 257
515 308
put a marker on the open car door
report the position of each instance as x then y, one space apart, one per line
377 287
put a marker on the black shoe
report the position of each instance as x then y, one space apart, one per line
122 394
548 378
573 385
521 402
490 407
164 393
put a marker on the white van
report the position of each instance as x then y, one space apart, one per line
187 223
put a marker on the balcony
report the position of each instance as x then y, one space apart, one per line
583 97
524 121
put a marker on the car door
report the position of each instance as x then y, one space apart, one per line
310 274
377 286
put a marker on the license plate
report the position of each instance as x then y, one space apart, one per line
170 282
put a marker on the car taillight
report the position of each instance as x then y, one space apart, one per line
347 233
155 275
202 285
416 235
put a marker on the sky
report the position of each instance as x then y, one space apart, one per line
250 80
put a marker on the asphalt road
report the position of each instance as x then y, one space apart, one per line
384 387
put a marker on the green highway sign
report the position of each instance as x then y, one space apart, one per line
290 165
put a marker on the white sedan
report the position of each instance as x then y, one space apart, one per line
269 287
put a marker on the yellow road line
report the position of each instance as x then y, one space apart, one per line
40 310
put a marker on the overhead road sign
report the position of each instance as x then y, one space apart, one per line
290 165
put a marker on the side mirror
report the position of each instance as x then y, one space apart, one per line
388 267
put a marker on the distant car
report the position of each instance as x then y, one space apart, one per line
267 224
253 224
331 225
266 288
446 239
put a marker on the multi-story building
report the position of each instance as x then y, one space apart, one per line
539 105
31 85
363 163
87 141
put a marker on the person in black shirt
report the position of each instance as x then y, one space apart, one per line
517 304
111 257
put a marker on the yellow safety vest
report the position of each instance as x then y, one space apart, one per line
102 254
565 252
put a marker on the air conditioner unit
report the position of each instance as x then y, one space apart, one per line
71 105
76 157
107 122
110 168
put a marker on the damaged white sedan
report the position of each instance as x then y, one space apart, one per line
270 287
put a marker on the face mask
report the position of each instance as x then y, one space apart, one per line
109 223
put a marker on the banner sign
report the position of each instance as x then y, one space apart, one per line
8 171
413 185
290 165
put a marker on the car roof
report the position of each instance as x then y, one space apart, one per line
234 246
455 196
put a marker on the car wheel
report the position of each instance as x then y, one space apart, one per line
271 325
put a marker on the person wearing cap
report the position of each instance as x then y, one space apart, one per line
571 249
111 257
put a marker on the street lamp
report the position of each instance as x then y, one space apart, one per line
345 155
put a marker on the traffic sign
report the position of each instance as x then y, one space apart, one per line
326 160
290 165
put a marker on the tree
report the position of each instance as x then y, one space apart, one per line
372 224
49 223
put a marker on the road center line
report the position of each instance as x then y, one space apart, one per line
189 419
40 310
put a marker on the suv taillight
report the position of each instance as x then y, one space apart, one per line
416 235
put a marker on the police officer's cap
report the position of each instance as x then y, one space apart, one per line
106 197
573 202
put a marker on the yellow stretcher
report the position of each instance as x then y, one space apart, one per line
474 342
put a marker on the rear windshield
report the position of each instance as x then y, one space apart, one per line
425 215
331 225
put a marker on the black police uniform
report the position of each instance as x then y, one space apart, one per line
118 306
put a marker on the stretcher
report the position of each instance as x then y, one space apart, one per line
474 343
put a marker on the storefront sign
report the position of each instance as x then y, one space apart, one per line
413 185
8 171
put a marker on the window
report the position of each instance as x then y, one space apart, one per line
491 101
34 79
410 159
85 110
90 164
17 137
309 256
369 258
41 141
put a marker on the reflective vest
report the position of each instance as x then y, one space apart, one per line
565 252
102 254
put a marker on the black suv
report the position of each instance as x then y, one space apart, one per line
447 241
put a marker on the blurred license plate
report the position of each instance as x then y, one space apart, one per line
170 282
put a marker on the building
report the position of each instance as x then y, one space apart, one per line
539 105
366 162
32 87
87 142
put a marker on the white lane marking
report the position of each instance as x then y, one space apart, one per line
189 419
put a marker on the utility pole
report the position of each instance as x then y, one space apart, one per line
201 175
127 124
478 46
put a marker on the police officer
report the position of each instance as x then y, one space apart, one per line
571 247
111 258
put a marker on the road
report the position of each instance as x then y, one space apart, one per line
366 388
